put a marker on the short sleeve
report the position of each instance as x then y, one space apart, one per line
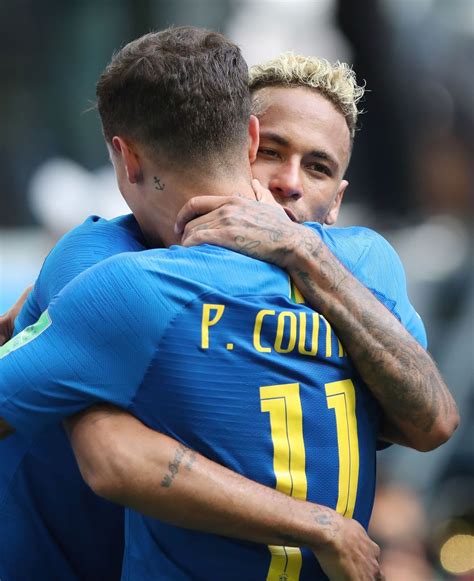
94 240
94 343
380 269
374 262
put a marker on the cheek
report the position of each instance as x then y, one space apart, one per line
261 172
315 203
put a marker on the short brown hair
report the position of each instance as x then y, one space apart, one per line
182 92
337 82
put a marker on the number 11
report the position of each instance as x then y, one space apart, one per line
283 403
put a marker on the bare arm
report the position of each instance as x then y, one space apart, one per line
419 410
126 462
7 320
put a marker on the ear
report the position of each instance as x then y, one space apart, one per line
333 213
254 137
130 158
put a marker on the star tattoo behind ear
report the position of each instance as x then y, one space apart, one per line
158 184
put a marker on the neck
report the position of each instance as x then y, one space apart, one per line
164 193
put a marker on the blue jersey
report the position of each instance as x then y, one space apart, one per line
51 524
206 346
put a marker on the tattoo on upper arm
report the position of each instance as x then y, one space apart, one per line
181 453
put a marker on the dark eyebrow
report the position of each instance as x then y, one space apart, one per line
323 155
318 154
274 137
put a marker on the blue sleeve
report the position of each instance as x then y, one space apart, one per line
380 269
29 313
93 344
93 241
374 262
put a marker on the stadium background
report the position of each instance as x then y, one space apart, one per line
411 178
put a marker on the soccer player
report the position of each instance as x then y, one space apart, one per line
136 166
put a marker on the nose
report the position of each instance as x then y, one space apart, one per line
286 182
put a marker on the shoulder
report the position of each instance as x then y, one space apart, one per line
350 245
92 241
122 230
95 239
375 263
358 245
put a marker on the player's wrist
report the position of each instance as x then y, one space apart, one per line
293 247
305 247
315 527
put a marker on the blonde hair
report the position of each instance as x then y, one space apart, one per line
337 82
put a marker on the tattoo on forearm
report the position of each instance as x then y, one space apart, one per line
174 466
398 370
324 517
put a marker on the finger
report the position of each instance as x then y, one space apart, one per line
210 221
198 206
200 237
261 193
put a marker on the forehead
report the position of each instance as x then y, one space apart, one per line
304 118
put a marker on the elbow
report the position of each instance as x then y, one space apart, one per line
98 480
440 433
102 472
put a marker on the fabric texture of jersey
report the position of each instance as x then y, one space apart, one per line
53 527
205 345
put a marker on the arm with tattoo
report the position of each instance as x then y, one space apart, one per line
419 410
126 462
396 368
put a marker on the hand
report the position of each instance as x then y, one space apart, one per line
7 320
349 554
260 229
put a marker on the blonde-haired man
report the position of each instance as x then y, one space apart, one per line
308 110
337 82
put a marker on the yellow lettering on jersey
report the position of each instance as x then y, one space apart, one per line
295 294
314 336
340 349
211 315
258 329
328 337
292 334
283 403
286 315
341 398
